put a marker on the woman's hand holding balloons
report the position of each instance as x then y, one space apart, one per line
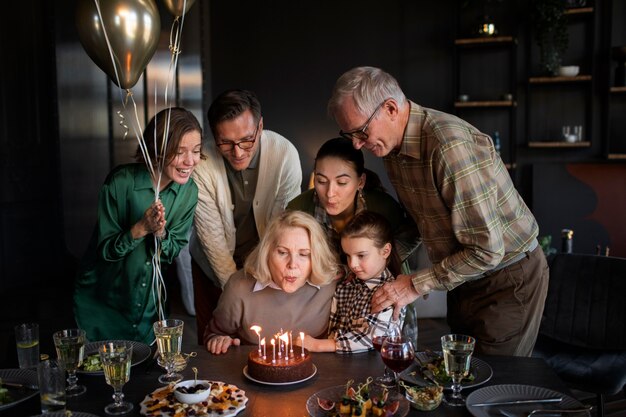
153 221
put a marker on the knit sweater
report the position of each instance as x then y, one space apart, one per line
240 307
213 238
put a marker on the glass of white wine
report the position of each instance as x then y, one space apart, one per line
169 338
116 359
457 355
70 347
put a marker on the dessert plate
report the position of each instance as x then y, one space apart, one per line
245 372
19 376
512 392
65 414
335 393
225 400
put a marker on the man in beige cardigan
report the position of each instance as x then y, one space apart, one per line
249 175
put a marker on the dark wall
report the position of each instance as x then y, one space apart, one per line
291 53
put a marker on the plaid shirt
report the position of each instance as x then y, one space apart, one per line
352 324
450 179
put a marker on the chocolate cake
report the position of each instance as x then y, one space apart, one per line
293 368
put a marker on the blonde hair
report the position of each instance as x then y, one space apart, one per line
324 261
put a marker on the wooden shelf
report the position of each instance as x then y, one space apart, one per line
551 80
559 144
486 103
578 10
616 156
486 40
618 90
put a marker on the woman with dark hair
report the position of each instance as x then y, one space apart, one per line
114 293
343 187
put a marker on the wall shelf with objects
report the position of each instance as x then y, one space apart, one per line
485 88
615 75
559 106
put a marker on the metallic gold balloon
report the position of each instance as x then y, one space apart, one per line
176 6
133 28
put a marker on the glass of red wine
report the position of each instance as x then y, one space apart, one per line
387 379
397 352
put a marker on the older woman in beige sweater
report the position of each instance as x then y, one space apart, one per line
287 283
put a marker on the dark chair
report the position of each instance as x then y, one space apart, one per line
583 330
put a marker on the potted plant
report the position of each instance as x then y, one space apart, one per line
549 25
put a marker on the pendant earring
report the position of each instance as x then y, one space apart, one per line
361 194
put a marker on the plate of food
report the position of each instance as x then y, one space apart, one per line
225 400
17 385
91 360
429 367
361 399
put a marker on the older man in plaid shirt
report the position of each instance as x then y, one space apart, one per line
479 233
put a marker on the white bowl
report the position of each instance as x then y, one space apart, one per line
569 71
192 398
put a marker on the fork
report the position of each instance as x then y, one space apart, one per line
557 411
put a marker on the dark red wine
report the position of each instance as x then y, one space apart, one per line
377 341
398 365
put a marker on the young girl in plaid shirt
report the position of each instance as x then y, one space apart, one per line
367 242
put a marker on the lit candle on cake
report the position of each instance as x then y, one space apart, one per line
263 343
302 339
274 350
257 330
285 338
291 342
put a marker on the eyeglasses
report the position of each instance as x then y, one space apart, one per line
360 133
244 145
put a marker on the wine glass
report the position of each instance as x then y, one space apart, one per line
397 352
457 355
70 347
116 358
387 379
169 338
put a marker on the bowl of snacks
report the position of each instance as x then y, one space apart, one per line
424 398
192 391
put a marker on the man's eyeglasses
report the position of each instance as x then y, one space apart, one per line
360 133
245 144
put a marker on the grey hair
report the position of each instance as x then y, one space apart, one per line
368 86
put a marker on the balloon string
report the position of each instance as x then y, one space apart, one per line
110 49
159 291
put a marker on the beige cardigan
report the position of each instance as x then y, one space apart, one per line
212 242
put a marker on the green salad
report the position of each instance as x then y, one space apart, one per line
92 363
437 367
5 398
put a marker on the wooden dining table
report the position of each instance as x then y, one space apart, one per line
288 400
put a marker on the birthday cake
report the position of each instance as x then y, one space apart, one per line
289 368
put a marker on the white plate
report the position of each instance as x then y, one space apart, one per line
141 352
512 392
335 394
21 376
167 399
245 372
480 369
